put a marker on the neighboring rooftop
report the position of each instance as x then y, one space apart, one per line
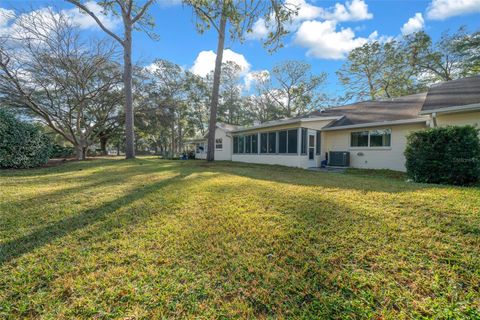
453 93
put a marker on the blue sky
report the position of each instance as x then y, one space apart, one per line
322 35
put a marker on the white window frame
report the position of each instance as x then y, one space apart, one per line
369 146
217 143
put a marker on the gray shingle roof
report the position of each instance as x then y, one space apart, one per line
228 127
453 93
401 108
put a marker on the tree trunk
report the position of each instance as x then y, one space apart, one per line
127 81
84 152
118 148
79 155
103 146
173 140
216 88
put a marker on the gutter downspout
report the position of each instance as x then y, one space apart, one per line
434 119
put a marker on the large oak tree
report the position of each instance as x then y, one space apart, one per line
134 15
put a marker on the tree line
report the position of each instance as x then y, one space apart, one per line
81 92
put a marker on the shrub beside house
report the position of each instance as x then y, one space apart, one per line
448 155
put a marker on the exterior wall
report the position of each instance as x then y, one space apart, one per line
459 119
226 152
220 154
373 158
291 160
201 155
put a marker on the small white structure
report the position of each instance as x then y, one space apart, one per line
223 143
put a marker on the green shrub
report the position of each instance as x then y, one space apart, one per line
22 145
448 155
59 151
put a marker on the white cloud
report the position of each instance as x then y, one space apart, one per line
443 9
259 30
84 21
169 3
355 10
306 11
43 19
9 21
324 41
205 62
5 16
414 24
254 77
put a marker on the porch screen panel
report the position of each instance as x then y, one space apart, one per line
263 143
272 142
292 141
235 144
282 142
304 141
248 144
318 143
255 143
241 144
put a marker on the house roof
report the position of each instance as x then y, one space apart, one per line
276 123
224 126
455 93
401 108
228 127
407 109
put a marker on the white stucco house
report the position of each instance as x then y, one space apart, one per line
369 134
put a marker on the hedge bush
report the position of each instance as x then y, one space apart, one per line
22 145
449 155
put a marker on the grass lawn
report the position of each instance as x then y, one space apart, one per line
187 239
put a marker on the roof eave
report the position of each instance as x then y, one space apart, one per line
454 109
289 121
378 124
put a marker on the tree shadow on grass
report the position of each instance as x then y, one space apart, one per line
106 177
17 247
325 253
377 182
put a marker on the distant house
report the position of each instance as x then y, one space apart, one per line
223 143
369 134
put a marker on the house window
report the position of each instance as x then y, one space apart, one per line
282 142
318 143
373 138
235 144
359 139
380 138
255 143
263 143
218 144
248 144
304 141
292 141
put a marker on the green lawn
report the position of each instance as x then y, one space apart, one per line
187 239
